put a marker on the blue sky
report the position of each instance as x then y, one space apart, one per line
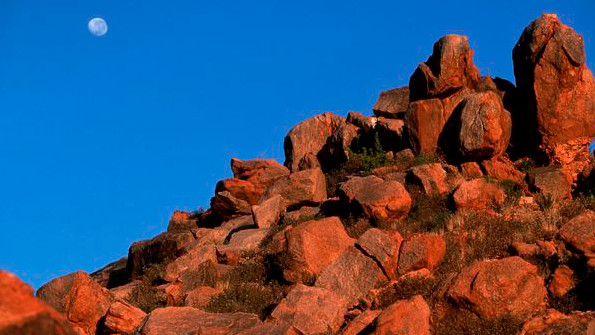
101 138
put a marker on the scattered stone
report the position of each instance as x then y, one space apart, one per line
553 322
471 170
240 242
501 168
361 322
305 212
478 194
200 296
384 201
410 317
420 251
269 212
354 185
162 247
262 173
197 254
562 281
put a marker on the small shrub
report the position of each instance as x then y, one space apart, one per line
356 225
248 298
428 213
463 322
406 289
145 296
513 192
545 201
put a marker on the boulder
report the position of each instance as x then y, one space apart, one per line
383 247
227 206
471 170
123 318
393 103
79 298
424 121
162 247
365 123
411 317
262 173
562 281
197 254
383 201
555 323
349 189
391 134
351 276
479 129
300 188
449 69
240 242
550 180
432 177
200 296
311 310
271 327
478 194
240 189
557 90
269 212
23 314
181 222
507 287
307 241
420 251
310 137
112 275
363 321
306 212
579 234
501 168
188 320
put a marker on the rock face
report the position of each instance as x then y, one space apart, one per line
300 188
481 127
78 297
306 242
383 247
156 250
478 194
550 180
510 286
393 103
311 310
556 88
123 318
425 120
421 251
188 320
556 323
432 177
23 314
410 317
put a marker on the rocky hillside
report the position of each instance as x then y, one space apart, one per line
464 205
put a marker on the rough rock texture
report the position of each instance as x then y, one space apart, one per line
383 247
23 314
383 201
188 320
579 233
198 253
310 137
480 126
311 310
471 170
478 194
240 242
164 246
393 103
425 120
410 317
79 298
556 87
123 318
300 188
302 213
227 206
200 296
562 281
112 275
432 177
269 211
262 173
391 134
271 327
501 168
306 242
550 180
555 323
421 251
354 185
240 189
361 322
509 286
351 276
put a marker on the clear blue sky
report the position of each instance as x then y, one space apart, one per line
102 138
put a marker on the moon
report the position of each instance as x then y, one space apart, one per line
97 26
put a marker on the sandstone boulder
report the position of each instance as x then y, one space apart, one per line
180 222
383 247
311 310
432 177
478 194
550 180
509 286
393 103
425 121
555 323
262 173
391 134
410 317
123 318
269 212
200 296
501 168
471 170
354 185
562 281
162 247
379 200
361 322
420 251
240 242
197 254
300 188
579 233
227 206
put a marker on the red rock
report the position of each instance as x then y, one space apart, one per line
197 254
361 322
271 327
421 251
366 123
562 281
471 170
181 221
300 188
495 288
425 120
501 168
311 310
227 206
156 250
449 68
338 146
556 87
124 292
351 276
240 189
309 137
200 296
241 242
305 212
483 127
432 177
579 233
410 317
112 275
79 298
550 180
23 314
383 247
269 212
188 320
556 323
391 134
384 201
123 318
478 194
262 173
307 241
393 103
354 185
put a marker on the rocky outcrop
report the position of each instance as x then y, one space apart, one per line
579 234
421 251
478 194
123 318
379 199
393 103
300 188
383 247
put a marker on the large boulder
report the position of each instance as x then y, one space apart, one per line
361 322
262 173
269 212
306 243
425 120
501 168
411 317
480 128
310 138
555 323
421 251
79 298
351 276
550 180
496 288
23 314
300 188
379 199
478 194
123 318
432 177
197 253
239 243
579 233
311 310
557 91
160 248
393 103
188 320
383 246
